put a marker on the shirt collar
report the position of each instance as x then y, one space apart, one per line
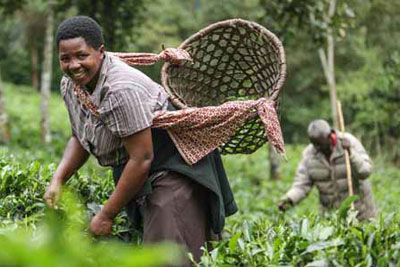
97 93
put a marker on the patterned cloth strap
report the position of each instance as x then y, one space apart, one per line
198 131
172 55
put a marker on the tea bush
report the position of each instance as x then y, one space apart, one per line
258 235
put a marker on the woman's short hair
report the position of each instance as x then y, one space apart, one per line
81 26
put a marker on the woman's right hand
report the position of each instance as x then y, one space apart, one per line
52 194
74 157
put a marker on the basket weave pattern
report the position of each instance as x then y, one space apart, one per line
232 60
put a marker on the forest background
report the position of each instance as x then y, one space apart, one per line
366 56
365 73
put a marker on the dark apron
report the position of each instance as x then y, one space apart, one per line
209 172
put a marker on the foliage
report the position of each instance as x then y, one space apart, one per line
365 58
60 240
24 115
261 236
258 235
368 74
23 185
311 16
8 7
371 94
309 241
15 67
118 18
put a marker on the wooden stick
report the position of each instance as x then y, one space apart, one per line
346 153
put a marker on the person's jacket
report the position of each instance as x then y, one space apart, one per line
329 176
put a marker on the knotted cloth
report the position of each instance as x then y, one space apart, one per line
172 55
198 131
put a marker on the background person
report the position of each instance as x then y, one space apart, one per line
323 165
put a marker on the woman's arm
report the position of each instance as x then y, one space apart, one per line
74 157
140 149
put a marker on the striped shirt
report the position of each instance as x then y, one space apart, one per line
126 100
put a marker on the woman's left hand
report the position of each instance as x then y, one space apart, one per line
101 224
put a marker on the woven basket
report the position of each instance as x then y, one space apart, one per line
232 60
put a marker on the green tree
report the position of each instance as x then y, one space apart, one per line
5 134
8 7
33 16
118 18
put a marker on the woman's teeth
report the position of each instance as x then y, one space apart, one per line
78 75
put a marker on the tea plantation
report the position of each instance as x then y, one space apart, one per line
258 235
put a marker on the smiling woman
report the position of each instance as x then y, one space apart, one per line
182 203
80 50
80 61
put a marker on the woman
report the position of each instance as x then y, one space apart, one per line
177 202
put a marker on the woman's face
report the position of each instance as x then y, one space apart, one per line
80 61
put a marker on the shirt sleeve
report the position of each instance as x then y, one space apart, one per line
127 111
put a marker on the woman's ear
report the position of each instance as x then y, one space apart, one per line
101 50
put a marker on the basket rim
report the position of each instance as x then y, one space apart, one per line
275 42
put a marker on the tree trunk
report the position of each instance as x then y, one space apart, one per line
328 64
35 67
329 71
5 134
46 75
274 163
